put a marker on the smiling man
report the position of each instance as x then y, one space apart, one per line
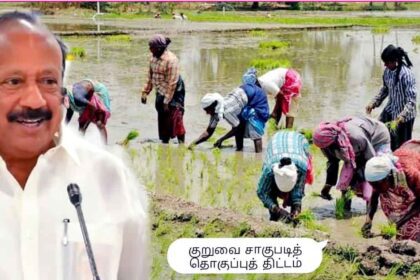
40 235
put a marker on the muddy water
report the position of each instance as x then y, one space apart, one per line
341 71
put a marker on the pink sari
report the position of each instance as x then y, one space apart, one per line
100 114
395 203
290 88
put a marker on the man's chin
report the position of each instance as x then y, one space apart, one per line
30 147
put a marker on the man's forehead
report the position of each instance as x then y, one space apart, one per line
25 38
21 27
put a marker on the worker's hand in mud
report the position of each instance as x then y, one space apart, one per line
191 146
366 233
218 143
144 99
369 109
281 215
165 108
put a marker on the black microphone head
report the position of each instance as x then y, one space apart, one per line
74 194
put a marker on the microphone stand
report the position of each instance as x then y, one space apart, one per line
76 199
87 243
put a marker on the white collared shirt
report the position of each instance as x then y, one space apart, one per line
33 241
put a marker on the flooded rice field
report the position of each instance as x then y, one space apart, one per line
341 71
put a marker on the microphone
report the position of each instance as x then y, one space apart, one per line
76 199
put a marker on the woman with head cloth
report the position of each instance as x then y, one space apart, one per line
91 100
396 182
285 85
353 140
287 168
170 90
399 85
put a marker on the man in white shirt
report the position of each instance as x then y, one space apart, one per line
285 85
39 229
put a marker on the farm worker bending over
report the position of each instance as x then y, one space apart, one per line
354 140
286 169
245 109
91 100
396 182
285 85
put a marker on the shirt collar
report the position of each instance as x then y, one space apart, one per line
65 141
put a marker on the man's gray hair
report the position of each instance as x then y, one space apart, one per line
34 19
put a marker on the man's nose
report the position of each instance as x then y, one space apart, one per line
32 97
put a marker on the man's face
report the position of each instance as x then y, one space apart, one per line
30 90
391 65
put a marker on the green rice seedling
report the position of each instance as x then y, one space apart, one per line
271 127
340 203
273 45
193 155
241 229
347 253
229 195
272 53
203 158
380 30
306 215
314 194
307 133
214 227
162 229
340 211
78 52
388 231
415 269
132 153
339 208
349 194
392 126
307 218
247 208
119 38
394 271
257 33
217 154
133 134
416 39
269 63
219 188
